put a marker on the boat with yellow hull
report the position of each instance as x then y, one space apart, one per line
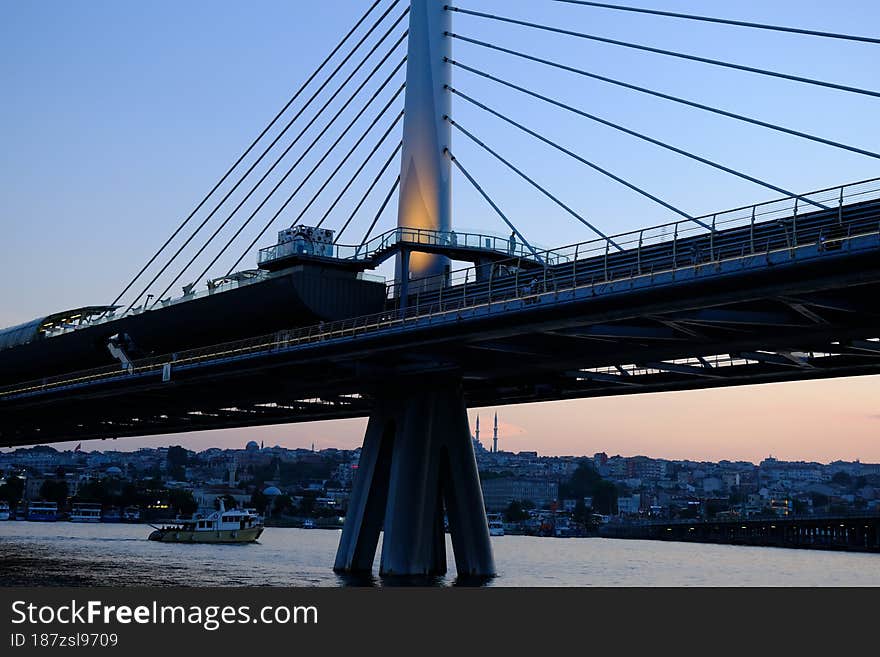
233 526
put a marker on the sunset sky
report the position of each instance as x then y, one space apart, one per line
118 117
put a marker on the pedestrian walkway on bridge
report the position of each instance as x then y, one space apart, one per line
462 246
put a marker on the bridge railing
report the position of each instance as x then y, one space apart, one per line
785 211
743 237
381 244
451 239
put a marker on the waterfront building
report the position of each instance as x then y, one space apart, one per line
629 504
499 493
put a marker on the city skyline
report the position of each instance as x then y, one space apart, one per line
130 101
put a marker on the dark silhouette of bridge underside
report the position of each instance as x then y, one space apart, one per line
595 327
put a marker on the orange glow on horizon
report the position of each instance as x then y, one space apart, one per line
809 420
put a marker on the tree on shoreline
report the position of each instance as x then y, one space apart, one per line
54 490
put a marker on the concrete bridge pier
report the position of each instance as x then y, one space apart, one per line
417 461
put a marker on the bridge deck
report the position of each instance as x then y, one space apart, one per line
773 300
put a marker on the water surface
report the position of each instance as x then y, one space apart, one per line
70 554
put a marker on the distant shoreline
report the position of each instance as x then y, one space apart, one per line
851 533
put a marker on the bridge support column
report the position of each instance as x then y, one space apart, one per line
417 460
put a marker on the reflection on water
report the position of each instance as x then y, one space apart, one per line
66 554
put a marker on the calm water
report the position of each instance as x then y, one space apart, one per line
66 554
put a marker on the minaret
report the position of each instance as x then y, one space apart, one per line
233 468
477 435
495 435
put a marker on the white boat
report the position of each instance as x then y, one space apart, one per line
233 526
496 524
85 512
42 511
4 511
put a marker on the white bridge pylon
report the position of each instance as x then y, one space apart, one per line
425 170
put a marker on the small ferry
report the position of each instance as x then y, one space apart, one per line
496 525
85 512
42 511
4 511
232 526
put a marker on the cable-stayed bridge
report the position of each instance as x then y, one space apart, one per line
776 291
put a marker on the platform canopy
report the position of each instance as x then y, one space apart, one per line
20 334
